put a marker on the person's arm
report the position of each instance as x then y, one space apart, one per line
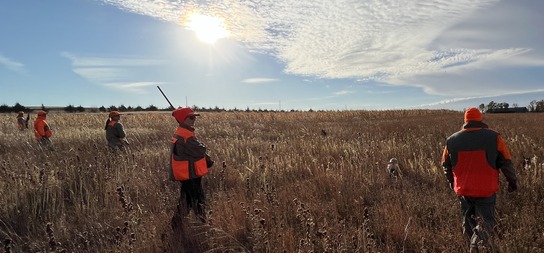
120 131
504 163
192 148
446 165
47 130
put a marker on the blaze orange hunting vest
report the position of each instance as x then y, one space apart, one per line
182 170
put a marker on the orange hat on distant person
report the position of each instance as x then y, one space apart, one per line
114 113
42 113
473 114
182 113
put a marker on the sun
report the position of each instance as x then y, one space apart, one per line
207 28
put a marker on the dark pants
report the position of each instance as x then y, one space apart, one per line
192 192
479 215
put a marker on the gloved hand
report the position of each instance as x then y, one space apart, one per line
209 161
512 186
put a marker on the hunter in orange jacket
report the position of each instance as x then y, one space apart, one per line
189 161
42 131
115 132
471 160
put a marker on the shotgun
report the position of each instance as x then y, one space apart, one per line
173 108
27 119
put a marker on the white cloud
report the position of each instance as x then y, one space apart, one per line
471 101
11 64
259 80
112 72
343 92
404 42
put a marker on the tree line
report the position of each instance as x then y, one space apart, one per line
534 106
122 108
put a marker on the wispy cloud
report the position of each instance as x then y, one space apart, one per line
344 92
112 72
259 80
477 98
395 42
11 64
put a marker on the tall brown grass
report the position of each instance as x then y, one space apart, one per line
279 185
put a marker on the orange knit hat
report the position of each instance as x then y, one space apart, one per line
473 114
182 113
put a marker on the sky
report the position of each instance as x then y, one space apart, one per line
272 54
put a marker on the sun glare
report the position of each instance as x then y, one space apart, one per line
207 28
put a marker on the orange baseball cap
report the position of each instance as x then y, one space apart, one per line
114 113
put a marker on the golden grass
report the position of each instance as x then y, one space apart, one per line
278 185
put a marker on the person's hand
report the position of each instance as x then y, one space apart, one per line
512 186
209 161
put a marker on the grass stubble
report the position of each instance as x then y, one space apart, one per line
283 182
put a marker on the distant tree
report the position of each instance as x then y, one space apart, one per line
138 109
539 106
43 108
130 109
482 108
122 108
18 107
80 109
515 105
532 106
491 106
151 108
5 108
69 108
102 109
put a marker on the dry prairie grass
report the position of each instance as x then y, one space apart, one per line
279 185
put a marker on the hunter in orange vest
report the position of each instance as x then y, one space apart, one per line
189 161
22 124
42 131
115 132
471 160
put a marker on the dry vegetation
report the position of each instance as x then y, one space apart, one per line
279 185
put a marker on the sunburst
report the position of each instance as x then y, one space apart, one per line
208 29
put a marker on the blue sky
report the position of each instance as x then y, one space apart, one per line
288 54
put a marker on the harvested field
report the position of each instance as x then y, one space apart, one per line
282 182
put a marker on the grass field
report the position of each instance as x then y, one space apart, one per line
278 185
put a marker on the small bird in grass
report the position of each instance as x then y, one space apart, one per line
393 168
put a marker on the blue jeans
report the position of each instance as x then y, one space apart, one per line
478 212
